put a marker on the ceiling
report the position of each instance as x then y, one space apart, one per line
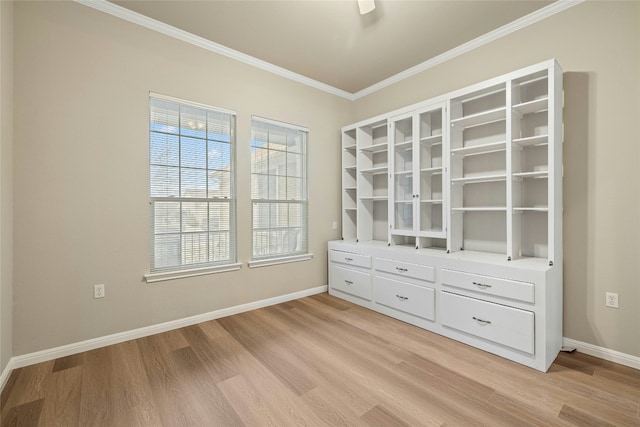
329 41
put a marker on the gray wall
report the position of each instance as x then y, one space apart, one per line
6 182
82 80
598 46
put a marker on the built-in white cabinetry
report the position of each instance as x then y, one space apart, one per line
452 215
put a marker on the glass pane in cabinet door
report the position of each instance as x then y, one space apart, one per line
403 140
403 158
403 216
403 210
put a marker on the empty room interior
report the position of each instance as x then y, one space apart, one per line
321 213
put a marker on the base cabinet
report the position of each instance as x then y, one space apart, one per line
509 308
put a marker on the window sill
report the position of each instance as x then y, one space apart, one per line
282 260
181 274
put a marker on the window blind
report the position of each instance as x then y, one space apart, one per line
278 189
192 192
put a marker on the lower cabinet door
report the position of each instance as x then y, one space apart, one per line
416 300
351 282
508 326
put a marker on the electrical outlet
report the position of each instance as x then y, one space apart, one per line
611 300
334 225
98 291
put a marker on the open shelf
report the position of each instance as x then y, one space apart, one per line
480 148
532 208
432 171
481 118
533 106
404 144
481 209
478 179
535 174
375 198
532 140
374 171
375 148
434 139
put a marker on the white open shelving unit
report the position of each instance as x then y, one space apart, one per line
468 186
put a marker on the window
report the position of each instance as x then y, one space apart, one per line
278 190
192 194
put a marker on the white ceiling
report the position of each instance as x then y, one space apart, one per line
329 41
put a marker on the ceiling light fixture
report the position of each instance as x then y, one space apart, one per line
366 6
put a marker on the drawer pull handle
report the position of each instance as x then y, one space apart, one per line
482 321
348 259
348 282
401 270
482 285
403 298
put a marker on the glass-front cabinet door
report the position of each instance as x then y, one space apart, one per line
416 178
430 169
402 176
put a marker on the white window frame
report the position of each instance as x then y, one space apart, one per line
303 253
186 269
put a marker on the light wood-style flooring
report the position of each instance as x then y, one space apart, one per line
317 361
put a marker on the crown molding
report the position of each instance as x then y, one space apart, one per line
518 24
168 30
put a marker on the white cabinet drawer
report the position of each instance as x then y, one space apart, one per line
351 282
521 291
416 271
412 299
351 258
508 326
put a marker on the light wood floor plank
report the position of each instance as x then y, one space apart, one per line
61 403
170 390
378 375
318 361
331 408
217 359
29 384
97 400
25 415
248 404
202 390
268 346
132 397
597 389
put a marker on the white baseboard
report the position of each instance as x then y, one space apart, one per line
91 344
4 376
603 353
